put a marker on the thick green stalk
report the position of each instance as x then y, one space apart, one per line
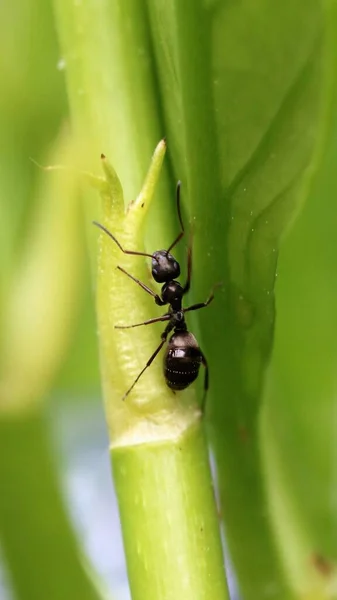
158 451
159 454
169 524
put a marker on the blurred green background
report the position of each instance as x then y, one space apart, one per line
33 116
298 417
33 111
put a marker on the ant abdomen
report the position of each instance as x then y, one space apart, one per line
182 360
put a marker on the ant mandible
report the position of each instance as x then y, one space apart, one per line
183 355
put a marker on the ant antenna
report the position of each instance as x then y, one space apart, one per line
181 234
117 242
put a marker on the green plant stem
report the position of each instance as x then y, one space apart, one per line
158 449
32 518
171 531
159 454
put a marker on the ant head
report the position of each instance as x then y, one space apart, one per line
164 266
172 292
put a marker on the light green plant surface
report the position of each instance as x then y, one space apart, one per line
41 255
167 507
39 306
244 93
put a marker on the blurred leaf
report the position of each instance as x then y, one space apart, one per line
42 554
298 425
31 108
79 373
36 535
43 297
247 90
41 305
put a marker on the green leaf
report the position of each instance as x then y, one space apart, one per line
252 85
38 543
41 300
298 418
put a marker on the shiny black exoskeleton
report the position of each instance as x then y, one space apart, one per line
182 360
183 355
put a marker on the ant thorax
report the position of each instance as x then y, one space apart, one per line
172 293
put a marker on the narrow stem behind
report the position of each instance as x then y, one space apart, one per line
33 521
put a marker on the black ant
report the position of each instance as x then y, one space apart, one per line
183 355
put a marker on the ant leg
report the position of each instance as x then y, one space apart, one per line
168 328
203 304
206 381
189 267
117 242
151 359
181 234
157 298
155 320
